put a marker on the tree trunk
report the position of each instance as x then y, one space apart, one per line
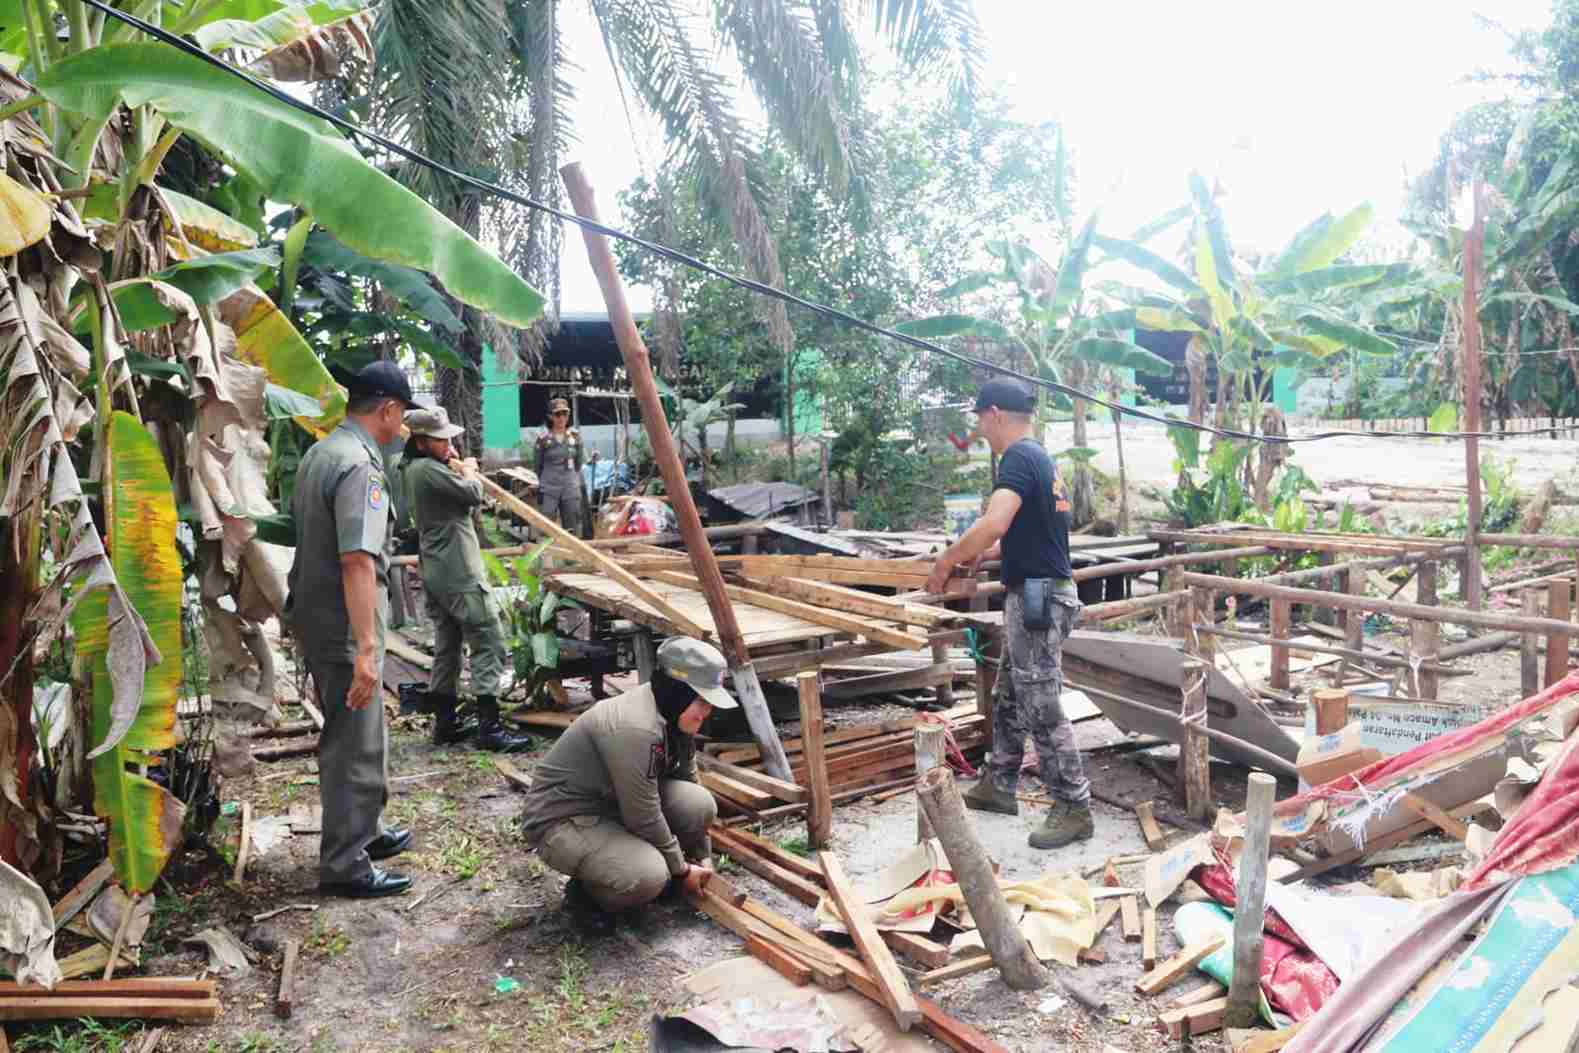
1082 497
19 835
1123 476
789 409
1195 365
701 452
1272 455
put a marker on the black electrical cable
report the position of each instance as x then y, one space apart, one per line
677 256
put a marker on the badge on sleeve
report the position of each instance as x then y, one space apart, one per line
656 760
375 493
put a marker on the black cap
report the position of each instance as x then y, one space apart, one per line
1006 395
379 378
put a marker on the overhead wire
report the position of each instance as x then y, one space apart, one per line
357 132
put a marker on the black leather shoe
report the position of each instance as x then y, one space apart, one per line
584 913
375 884
390 843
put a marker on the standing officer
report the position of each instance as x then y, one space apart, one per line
615 804
1027 522
459 601
338 611
559 469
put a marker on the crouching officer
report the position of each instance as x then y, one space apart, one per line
615 804
338 611
459 602
1027 521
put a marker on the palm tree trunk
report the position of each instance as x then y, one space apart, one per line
1123 476
1195 365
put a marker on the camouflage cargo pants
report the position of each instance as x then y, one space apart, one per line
1026 703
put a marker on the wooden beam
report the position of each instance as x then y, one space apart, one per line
1129 918
739 793
1149 830
1208 991
1559 542
852 601
638 368
1179 966
147 1007
1148 939
819 811
787 792
1196 1019
1367 604
847 623
896 994
82 894
1436 816
779 960
963 967
1559 608
1282 613
1183 559
791 884
285 999
1529 647
917 948
890 682
1244 994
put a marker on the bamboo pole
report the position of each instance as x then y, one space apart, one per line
1474 245
1397 608
656 424
1000 934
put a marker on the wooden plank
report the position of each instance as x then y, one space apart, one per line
1148 939
1196 1019
896 994
848 623
285 1000
1129 916
136 987
787 792
1558 607
1439 818
779 960
1106 912
1178 966
1205 993
513 775
1149 828
82 894
852 601
917 948
819 811
773 853
964 967
143 1007
1268 1041
791 884
398 647
890 682
739 793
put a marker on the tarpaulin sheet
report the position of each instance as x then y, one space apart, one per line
1544 832
1294 979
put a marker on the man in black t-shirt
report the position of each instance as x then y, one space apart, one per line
1027 523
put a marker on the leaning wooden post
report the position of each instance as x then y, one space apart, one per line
931 743
1425 638
1282 613
1244 994
1194 751
1558 606
1529 646
1000 934
1354 628
1469 365
819 806
638 366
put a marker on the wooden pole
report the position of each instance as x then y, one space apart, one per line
931 740
1529 647
1194 752
1282 612
991 647
1396 608
1354 627
945 689
638 366
1558 608
1474 245
1000 934
1425 638
819 810
1332 709
1244 994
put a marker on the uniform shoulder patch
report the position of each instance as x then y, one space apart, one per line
657 759
375 493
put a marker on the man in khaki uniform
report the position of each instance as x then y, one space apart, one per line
338 611
615 804
459 601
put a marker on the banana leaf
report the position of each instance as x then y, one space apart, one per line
276 29
139 513
1121 354
1322 242
325 253
1347 276
1150 262
266 338
204 226
295 158
1352 336
1072 270
24 216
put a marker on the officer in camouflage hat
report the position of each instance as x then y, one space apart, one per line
615 804
459 601
337 609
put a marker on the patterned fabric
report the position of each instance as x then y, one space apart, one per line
1026 704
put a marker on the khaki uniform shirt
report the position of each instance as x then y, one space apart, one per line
608 762
441 503
341 504
559 461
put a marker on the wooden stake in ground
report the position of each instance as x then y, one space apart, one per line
931 741
895 990
819 810
244 849
285 1000
655 423
945 810
1244 994
1149 830
120 936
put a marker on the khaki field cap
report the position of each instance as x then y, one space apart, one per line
558 406
698 665
434 423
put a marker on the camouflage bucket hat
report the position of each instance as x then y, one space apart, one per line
434 423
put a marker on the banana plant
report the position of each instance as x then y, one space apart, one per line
1054 334
1296 308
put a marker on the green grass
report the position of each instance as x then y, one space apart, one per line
326 941
797 845
80 1036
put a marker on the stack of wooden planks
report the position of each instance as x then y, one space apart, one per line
869 758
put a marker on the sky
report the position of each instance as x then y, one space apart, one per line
1295 108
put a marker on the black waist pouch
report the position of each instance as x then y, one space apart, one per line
1037 613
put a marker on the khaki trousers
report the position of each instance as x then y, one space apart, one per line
352 772
618 869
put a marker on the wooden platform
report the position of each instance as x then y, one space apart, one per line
761 628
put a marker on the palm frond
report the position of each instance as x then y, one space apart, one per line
781 49
942 36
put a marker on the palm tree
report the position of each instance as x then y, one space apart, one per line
483 85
